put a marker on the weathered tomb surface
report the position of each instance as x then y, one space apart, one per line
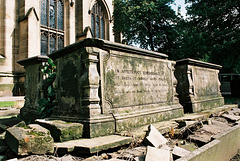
62 131
110 87
198 85
34 86
31 139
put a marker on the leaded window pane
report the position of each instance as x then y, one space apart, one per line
93 24
97 27
60 15
52 43
60 42
52 10
98 23
44 12
44 43
52 17
102 28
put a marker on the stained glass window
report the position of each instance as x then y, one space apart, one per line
93 23
52 43
60 15
44 43
98 21
97 27
52 26
60 42
44 12
52 9
102 28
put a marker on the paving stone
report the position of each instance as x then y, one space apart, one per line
155 137
234 111
165 147
180 152
231 117
162 127
190 117
62 131
200 139
213 129
9 112
129 154
24 140
189 123
89 146
155 154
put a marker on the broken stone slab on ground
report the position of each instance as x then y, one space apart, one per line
62 131
200 138
215 127
131 153
155 154
9 111
32 139
180 152
155 137
188 117
187 129
232 118
94 145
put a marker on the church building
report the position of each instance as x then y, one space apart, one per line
30 28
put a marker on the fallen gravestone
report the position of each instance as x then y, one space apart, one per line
180 152
32 139
155 154
155 137
232 118
62 131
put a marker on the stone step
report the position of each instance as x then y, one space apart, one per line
18 101
9 111
20 98
93 145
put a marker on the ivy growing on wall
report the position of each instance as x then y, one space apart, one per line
46 103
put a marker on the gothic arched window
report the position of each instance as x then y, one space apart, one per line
52 28
98 21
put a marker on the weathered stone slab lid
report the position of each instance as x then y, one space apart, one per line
105 45
194 62
33 60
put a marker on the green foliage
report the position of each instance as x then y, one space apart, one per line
149 23
212 33
46 104
7 104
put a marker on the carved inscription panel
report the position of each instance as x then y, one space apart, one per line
132 81
205 82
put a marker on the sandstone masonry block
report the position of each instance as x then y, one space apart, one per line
62 131
32 139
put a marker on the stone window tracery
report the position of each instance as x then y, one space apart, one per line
98 21
52 26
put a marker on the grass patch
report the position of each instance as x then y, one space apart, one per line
7 104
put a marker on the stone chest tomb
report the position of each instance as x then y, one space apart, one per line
198 85
110 87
